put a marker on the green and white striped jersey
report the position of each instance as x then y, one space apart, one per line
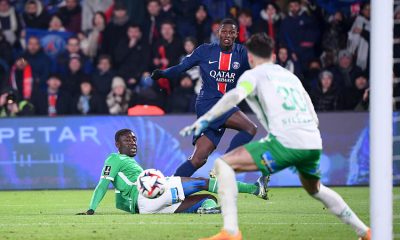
282 106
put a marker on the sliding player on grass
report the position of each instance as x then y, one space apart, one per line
122 170
221 66
286 112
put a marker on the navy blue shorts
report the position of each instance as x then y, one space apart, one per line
215 130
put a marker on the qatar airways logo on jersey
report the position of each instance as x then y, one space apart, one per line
222 76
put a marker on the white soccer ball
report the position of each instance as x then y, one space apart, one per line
151 183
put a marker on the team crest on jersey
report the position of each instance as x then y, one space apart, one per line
107 170
235 65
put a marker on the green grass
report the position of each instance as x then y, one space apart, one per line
290 214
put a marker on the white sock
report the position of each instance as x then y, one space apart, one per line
335 203
227 193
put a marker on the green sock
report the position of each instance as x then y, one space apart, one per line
209 203
242 187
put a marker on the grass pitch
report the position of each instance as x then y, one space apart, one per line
290 214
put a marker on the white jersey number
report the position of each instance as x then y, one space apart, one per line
292 99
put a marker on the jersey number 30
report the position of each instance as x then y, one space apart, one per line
292 99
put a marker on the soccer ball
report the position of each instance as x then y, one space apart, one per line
151 183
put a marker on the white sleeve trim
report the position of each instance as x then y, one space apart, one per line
108 178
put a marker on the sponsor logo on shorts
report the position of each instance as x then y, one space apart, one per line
107 170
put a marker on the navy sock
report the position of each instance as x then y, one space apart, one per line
186 169
240 139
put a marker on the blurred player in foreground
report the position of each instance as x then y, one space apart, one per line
221 65
122 170
285 110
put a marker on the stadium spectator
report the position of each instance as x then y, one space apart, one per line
150 94
38 60
167 10
328 58
300 33
91 42
214 32
169 48
6 51
246 26
136 10
270 21
152 22
72 50
284 60
359 37
201 26
10 106
74 76
103 76
56 24
218 9
189 44
334 37
90 9
356 97
119 99
115 29
182 99
325 96
54 101
9 21
87 102
131 56
311 75
345 71
71 15
35 15
185 10
21 79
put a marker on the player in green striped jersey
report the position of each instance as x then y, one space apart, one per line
122 170
285 110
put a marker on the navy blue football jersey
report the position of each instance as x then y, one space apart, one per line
220 70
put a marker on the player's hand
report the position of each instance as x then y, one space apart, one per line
88 212
156 74
196 128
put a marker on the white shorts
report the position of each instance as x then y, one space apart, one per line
168 202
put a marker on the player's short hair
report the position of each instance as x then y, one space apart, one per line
122 132
229 21
260 45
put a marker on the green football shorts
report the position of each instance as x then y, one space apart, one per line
271 156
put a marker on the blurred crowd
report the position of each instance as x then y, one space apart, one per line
95 56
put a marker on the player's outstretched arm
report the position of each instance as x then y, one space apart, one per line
228 101
97 196
175 71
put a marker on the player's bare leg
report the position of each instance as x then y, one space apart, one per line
238 160
247 129
202 149
335 203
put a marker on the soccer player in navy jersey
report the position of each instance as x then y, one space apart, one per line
221 66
